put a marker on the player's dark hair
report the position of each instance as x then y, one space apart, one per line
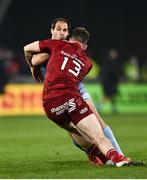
81 34
53 23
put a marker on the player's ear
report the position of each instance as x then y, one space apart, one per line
52 30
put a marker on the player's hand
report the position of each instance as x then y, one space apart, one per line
36 73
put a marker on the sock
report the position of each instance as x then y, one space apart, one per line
109 134
93 151
114 156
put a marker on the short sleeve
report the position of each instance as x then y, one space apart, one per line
44 45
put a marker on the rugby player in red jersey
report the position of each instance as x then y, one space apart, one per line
67 66
59 30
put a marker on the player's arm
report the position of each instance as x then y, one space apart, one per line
37 74
30 50
38 59
32 58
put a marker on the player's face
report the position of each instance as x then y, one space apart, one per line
60 32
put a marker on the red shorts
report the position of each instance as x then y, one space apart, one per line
66 108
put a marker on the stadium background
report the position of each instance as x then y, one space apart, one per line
113 24
116 24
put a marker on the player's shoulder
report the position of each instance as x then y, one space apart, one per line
87 57
51 40
55 43
59 42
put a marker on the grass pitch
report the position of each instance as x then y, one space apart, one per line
33 147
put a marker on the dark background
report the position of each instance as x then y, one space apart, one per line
118 24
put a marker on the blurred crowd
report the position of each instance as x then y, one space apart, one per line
13 68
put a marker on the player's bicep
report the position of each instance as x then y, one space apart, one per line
32 47
39 58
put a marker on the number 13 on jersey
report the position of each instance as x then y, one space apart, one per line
77 66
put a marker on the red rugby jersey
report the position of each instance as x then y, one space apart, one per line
67 66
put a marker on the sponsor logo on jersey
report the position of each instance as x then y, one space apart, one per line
70 106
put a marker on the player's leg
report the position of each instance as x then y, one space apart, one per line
88 128
62 118
84 145
91 130
106 129
96 158
63 121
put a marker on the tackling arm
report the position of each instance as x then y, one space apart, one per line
31 49
34 57
38 59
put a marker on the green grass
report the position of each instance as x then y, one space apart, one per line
33 147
